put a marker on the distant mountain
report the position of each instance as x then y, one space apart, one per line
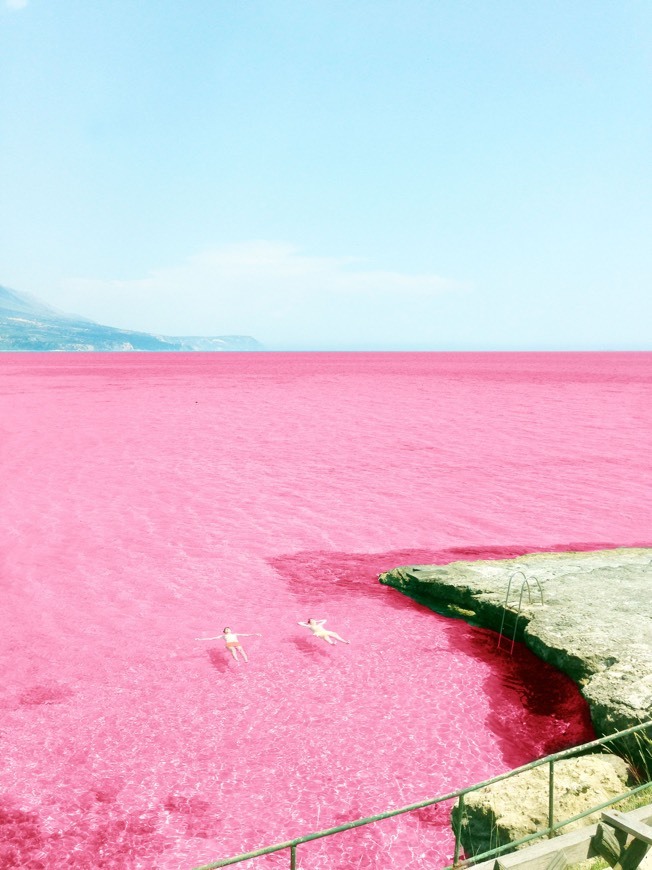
26 323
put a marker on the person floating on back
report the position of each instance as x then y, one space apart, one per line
316 626
232 643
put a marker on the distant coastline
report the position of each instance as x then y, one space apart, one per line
27 324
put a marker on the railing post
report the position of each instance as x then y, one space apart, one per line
458 829
460 795
551 799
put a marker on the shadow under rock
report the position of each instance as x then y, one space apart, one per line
543 692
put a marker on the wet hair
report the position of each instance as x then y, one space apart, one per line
226 629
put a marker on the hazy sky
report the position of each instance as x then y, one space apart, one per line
441 174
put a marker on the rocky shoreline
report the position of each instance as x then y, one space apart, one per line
595 622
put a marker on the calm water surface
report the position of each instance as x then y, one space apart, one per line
147 500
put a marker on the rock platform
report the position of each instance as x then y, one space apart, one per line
595 622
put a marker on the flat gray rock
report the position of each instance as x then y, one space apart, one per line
595 623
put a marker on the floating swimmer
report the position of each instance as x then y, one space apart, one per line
316 626
232 642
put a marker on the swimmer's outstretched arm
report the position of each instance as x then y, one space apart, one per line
237 634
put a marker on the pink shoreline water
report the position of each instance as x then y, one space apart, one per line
150 499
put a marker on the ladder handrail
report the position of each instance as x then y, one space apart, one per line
525 584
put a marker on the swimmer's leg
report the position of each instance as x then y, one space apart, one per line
243 653
337 637
326 636
233 652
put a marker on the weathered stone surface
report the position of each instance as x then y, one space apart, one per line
517 807
595 623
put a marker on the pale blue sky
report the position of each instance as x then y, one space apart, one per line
333 175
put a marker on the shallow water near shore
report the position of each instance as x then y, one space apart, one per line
152 499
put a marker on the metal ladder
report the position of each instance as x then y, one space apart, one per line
525 584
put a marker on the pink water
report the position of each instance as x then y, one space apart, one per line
151 499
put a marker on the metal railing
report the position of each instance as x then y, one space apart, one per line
549 831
